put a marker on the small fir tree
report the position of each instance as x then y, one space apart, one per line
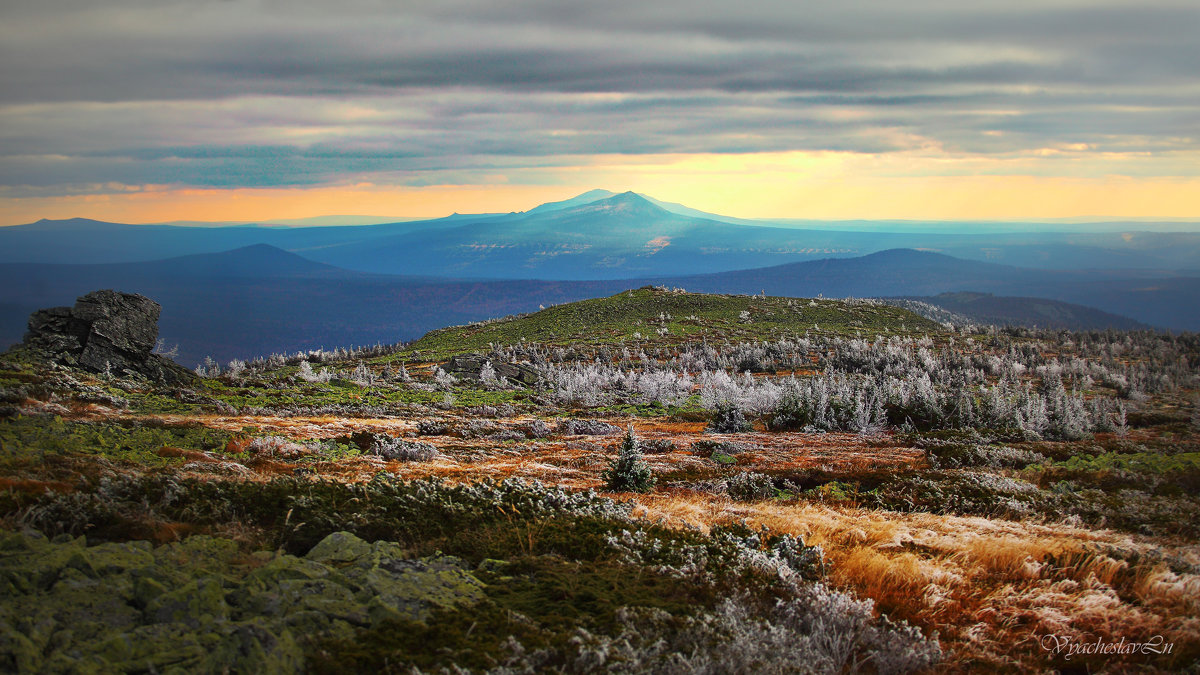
628 472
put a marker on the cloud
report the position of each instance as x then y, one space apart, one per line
241 93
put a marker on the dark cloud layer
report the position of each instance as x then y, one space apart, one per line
234 92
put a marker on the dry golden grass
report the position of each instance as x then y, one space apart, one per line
989 588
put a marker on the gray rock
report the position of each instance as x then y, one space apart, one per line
468 366
390 448
339 548
106 331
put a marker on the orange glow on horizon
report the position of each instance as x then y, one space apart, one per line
825 186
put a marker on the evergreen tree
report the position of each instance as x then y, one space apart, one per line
628 472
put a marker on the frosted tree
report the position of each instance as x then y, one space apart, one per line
629 472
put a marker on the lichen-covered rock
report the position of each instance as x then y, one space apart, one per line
390 448
105 332
339 548
196 603
288 567
252 647
410 589
197 606
115 557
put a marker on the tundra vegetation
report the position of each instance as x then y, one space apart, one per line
653 482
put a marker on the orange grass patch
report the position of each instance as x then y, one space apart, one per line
990 588
35 487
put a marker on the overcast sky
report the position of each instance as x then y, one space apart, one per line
758 104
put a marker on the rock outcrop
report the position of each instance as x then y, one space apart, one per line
196 606
106 331
469 366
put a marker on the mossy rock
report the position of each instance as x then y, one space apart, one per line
197 604
339 548
193 606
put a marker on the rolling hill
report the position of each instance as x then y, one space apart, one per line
1148 297
651 315
985 308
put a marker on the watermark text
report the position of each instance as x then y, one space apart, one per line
1069 647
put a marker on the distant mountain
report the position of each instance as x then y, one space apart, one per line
578 200
83 241
615 237
595 235
258 261
985 308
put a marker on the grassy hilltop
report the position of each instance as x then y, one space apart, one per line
638 316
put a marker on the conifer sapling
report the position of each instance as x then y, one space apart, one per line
628 472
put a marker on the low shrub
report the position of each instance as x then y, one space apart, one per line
658 446
749 486
576 427
728 419
709 448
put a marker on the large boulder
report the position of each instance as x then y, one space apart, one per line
469 366
106 331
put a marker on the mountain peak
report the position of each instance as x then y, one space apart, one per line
578 200
69 224
626 203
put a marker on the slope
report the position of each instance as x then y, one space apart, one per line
652 316
1148 297
986 308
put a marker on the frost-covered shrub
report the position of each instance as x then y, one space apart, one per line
749 486
489 379
577 427
443 380
478 428
209 368
306 373
276 446
823 631
708 448
397 449
952 455
236 368
506 435
662 387
362 376
628 472
658 446
728 419
536 429
432 427
829 404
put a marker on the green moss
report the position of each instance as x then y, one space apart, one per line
1137 462
193 605
25 440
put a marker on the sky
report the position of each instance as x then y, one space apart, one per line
163 110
